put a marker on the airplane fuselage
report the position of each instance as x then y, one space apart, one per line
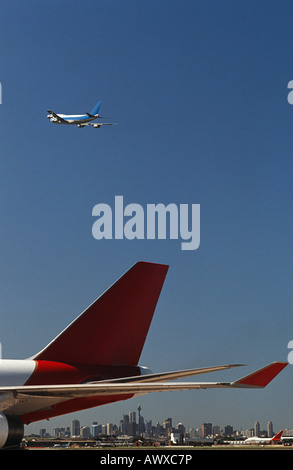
71 118
79 120
16 373
254 440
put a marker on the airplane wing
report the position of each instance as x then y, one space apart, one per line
260 378
97 124
26 399
56 116
178 374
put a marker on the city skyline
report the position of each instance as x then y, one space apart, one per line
133 424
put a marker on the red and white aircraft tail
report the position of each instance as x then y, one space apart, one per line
112 330
277 437
94 361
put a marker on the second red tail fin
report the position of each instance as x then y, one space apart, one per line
277 437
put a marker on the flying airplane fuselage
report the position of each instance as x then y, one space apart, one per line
79 120
71 118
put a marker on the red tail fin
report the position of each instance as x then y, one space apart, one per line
277 437
112 330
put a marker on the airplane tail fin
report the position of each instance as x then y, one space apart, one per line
112 330
277 437
96 109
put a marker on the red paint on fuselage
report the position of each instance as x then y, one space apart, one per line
58 373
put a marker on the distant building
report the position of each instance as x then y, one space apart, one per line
167 426
207 429
194 432
180 428
248 433
270 429
167 423
85 432
104 429
124 425
228 430
140 425
256 429
75 428
148 427
132 417
95 429
217 430
109 429
132 428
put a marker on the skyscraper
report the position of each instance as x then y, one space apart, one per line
95 428
167 424
270 429
228 430
132 417
139 420
75 428
207 429
132 423
256 429
124 425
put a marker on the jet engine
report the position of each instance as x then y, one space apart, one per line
11 430
52 118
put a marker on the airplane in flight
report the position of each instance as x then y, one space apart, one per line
264 440
94 361
79 120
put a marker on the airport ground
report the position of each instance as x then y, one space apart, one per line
149 445
193 449
158 449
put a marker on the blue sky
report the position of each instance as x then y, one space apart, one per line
199 92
